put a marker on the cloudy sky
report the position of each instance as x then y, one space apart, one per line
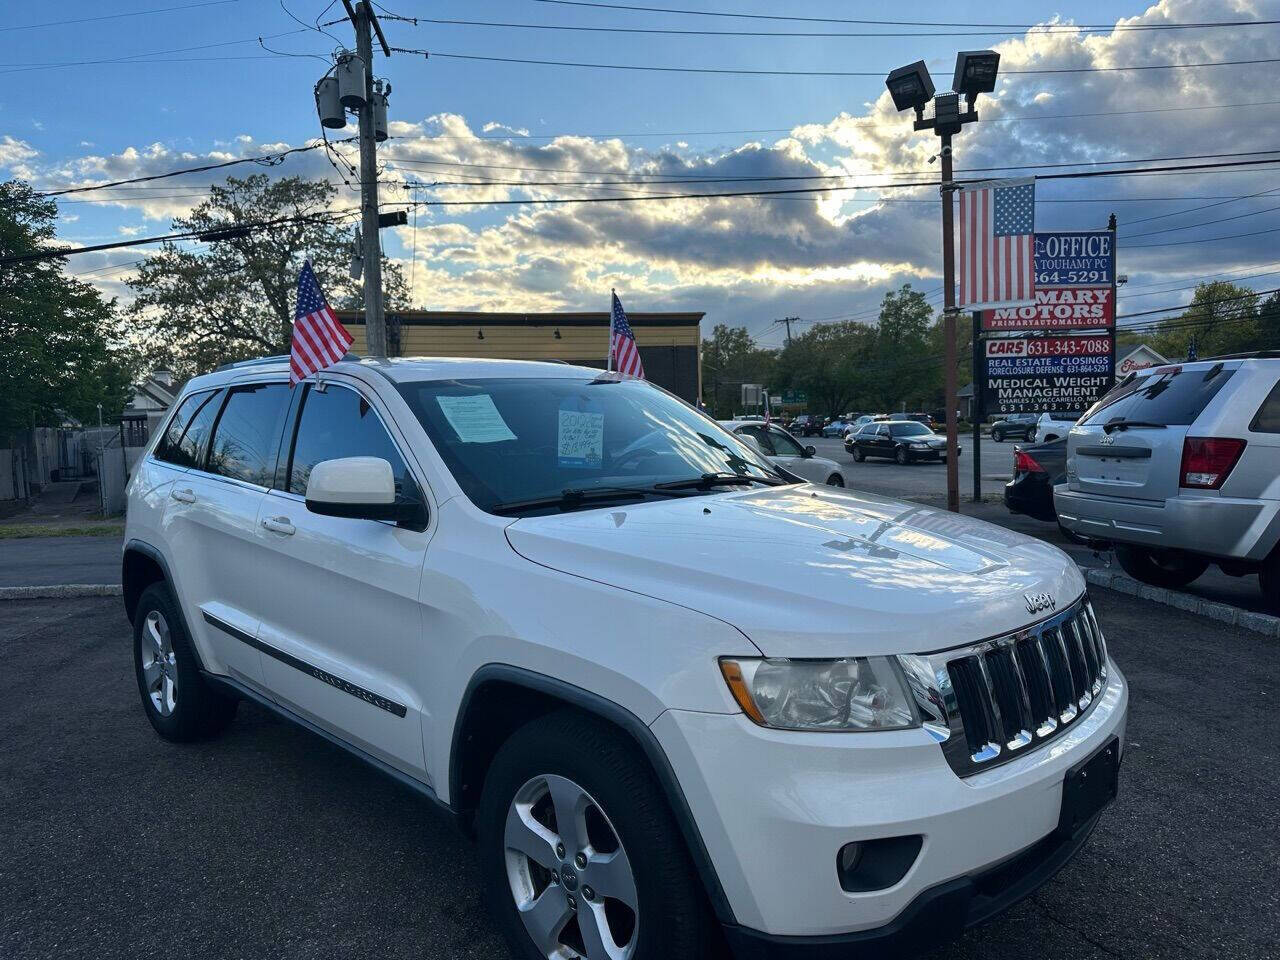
181 87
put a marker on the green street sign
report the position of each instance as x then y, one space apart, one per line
794 396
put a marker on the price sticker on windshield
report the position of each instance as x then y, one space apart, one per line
581 439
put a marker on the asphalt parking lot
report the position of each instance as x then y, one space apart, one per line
271 842
925 480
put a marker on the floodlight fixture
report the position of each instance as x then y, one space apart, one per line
976 72
911 87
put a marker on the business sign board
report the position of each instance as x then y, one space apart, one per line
1061 374
1074 273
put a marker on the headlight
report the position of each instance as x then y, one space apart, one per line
920 443
859 693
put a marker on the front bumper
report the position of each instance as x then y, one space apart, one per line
935 453
775 807
1216 526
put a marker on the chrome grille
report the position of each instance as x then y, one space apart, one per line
991 702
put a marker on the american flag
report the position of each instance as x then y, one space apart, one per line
319 339
623 352
997 244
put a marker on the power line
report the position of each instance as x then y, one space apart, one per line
895 23
1203 223
116 16
1222 202
854 121
137 57
823 34
1179 243
266 159
730 71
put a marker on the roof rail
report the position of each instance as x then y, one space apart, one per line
1248 355
278 358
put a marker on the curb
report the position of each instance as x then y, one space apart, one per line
1262 623
61 591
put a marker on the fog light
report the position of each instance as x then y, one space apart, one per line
876 864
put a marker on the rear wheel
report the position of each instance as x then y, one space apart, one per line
177 700
1160 568
579 852
997 436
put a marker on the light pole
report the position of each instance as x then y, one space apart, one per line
912 88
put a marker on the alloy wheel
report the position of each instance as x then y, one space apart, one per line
569 875
159 663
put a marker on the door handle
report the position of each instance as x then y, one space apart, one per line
183 496
279 525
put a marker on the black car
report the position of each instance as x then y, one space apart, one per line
905 441
807 425
1017 426
1037 469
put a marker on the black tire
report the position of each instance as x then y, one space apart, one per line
997 436
1160 568
195 710
1269 581
858 455
901 457
674 920
835 480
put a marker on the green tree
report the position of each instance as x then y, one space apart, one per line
1223 317
834 363
57 361
234 298
906 369
731 358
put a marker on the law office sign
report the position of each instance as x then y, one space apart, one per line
1074 275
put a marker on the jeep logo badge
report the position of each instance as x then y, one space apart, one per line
1039 601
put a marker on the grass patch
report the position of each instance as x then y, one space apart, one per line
21 531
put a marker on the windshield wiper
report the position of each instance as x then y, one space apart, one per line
1122 424
575 496
708 480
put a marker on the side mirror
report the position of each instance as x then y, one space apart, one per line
361 488
811 451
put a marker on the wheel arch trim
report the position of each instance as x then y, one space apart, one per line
629 724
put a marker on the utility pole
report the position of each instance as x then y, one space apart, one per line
975 407
789 321
949 312
375 321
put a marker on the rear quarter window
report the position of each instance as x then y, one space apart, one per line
1172 398
1267 419
185 434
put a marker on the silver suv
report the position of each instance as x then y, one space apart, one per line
1179 467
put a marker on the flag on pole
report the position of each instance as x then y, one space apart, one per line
997 244
624 355
319 339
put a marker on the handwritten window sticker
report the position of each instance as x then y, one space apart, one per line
580 438
475 419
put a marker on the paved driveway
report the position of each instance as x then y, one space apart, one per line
272 843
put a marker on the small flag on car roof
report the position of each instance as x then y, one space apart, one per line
624 355
319 338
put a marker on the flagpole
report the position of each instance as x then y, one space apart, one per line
608 359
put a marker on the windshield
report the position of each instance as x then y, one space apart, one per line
911 429
507 441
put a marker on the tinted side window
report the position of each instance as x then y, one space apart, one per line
181 417
340 423
785 445
761 437
248 432
190 448
1267 419
1174 398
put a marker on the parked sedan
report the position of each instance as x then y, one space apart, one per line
785 451
834 429
807 425
1037 469
905 441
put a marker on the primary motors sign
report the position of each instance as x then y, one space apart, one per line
1037 374
1073 279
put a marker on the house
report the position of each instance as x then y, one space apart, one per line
151 401
1139 358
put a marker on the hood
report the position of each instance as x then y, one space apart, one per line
809 571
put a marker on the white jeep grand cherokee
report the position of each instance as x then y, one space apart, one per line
681 700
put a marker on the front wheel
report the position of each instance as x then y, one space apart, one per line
900 455
177 700
858 455
1160 568
835 480
997 436
580 854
